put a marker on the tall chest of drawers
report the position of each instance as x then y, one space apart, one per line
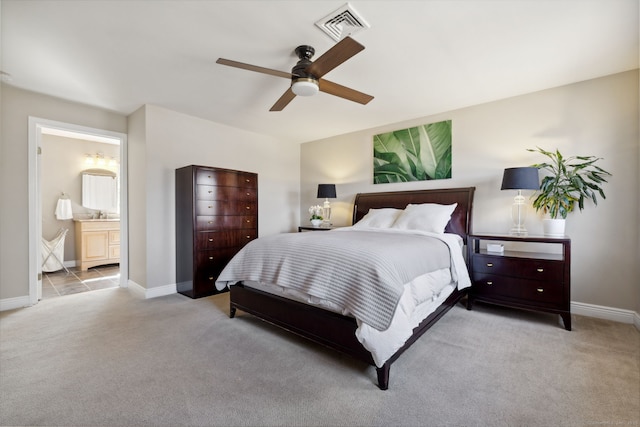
530 280
216 215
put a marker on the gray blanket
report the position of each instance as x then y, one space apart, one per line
362 271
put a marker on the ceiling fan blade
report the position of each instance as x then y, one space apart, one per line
284 100
339 53
256 68
344 92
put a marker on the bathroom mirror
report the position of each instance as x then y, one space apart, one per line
100 190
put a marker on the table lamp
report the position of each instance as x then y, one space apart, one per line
525 178
326 191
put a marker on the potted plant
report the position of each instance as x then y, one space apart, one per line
316 215
569 182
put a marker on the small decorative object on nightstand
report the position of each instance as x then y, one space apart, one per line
527 280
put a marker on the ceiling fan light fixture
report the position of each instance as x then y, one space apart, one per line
305 86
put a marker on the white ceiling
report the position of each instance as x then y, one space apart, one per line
421 57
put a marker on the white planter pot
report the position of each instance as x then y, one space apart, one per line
553 227
316 222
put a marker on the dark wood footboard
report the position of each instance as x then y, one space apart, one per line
324 327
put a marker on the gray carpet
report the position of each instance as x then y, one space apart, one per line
110 358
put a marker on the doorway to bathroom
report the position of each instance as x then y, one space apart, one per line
60 155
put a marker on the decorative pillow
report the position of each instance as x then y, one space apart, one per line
430 217
378 218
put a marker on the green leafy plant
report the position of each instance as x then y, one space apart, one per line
571 181
415 154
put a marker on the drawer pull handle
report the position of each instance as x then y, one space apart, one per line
210 206
248 237
211 240
248 207
540 290
247 180
489 264
208 176
489 282
210 191
248 194
540 270
248 221
211 278
209 222
210 257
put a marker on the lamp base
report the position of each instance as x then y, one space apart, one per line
518 231
326 211
518 215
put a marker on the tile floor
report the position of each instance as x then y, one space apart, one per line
60 283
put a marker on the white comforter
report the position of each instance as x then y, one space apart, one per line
419 294
362 270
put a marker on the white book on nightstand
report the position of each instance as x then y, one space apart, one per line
495 248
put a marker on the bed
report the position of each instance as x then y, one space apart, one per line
336 318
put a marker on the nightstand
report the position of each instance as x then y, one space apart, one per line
537 281
319 228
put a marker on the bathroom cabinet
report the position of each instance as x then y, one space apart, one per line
216 215
97 242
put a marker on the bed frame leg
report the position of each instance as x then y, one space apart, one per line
232 312
383 376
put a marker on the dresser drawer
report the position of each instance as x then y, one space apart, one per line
226 178
211 263
213 257
492 286
217 177
216 192
225 207
211 222
534 269
224 238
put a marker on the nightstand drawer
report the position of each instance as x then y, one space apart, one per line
489 285
533 269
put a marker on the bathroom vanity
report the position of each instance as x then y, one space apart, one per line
97 242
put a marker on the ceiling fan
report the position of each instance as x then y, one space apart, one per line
306 75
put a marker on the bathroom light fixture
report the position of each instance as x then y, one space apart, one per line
305 86
100 159
525 178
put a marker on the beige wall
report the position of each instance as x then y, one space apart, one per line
160 141
597 117
17 106
137 181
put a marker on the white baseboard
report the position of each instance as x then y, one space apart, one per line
158 291
608 313
13 303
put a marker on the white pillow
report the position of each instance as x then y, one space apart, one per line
379 218
430 217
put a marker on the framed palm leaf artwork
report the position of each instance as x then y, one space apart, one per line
420 153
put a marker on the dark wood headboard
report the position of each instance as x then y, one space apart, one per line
460 222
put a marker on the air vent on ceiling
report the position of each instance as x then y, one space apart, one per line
342 22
